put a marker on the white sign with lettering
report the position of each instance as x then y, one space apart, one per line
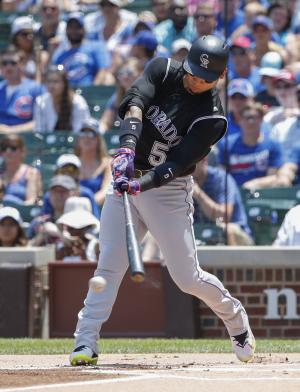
273 304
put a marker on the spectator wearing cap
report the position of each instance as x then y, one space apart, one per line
205 19
235 17
262 29
22 36
241 62
180 49
60 108
179 25
254 161
285 91
251 10
287 131
78 228
110 23
144 46
69 165
60 188
11 230
85 62
240 93
270 66
22 182
95 171
17 94
125 75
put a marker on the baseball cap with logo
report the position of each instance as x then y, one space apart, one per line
10 212
91 124
286 76
22 23
63 181
270 64
146 39
207 58
263 21
240 86
78 16
68 159
241 42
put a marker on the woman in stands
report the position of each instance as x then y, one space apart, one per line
22 182
11 231
125 76
60 108
95 171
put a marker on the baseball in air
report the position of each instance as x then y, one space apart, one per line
97 284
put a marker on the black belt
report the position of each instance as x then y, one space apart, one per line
139 173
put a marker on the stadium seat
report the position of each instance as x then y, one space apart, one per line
208 234
112 140
138 5
96 97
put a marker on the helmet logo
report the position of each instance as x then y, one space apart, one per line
204 60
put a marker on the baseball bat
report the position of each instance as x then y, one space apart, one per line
135 260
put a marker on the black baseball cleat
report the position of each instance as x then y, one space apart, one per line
244 346
83 355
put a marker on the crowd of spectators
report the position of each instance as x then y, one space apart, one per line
57 48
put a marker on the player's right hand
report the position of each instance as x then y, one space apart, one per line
123 184
122 164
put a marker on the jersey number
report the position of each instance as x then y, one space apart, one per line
158 155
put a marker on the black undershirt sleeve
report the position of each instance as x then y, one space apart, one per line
194 147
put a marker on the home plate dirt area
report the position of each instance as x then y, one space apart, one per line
152 372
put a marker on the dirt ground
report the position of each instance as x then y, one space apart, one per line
152 372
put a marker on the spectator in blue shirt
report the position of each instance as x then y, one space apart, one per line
205 18
215 206
17 94
86 62
179 25
235 17
253 161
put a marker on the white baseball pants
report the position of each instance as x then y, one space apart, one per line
168 214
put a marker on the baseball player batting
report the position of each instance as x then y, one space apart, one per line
172 116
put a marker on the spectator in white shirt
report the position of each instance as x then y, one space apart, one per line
289 232
59 109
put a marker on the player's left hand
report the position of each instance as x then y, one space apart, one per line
123 184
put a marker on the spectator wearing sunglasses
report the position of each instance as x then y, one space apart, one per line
69 165
287 131
126 74
22 36
60 108
285 92
241 62
17 94
205 19
254 161
95 171
22 182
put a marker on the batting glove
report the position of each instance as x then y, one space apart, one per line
122 164
123 184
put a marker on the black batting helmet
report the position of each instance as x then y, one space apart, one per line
207 58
